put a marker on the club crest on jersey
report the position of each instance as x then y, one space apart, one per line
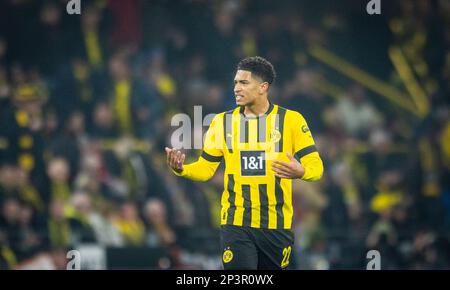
275 136
227 256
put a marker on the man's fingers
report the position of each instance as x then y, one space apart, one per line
168 151
176 159
282 176
280 170
281 164
172 158
281 167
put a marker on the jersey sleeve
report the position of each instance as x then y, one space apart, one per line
206 165
213 143
305 150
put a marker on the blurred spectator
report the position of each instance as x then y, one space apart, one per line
159 232
58 174
91 33
66 142
80 213
30 239
58 227
130 225
223 42
10 220
78 88
52 44
127 167
102 223
128 95
357 113
161 78
301 92
103 124
15 182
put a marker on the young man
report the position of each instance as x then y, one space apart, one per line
265 147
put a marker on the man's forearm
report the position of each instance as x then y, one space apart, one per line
201 170
313 167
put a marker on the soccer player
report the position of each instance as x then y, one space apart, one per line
265 147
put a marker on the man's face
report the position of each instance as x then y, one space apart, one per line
248 88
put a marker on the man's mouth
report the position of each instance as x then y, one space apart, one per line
238 98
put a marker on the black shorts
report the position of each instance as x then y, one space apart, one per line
248 248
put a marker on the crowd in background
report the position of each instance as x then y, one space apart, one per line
86 103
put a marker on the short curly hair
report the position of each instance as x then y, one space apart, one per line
258 66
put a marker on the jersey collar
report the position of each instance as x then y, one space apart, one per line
271 106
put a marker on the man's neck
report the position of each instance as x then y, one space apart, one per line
257 109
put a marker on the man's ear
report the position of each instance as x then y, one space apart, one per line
263 87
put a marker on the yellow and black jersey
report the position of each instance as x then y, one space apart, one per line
253 196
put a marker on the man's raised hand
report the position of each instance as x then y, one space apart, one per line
175 159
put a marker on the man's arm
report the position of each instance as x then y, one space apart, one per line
206 165
306 163
313 167
310 168
201 170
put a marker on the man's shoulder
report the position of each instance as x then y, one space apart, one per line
229 112
219 117
290 113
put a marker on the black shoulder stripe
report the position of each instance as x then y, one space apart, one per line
305 151
211 158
